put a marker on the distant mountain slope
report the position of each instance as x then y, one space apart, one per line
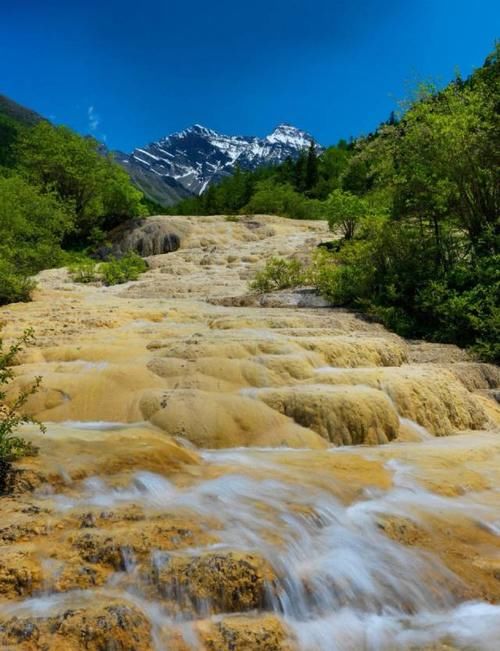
163 190
185 163
18 112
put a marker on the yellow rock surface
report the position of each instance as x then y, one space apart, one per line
195 462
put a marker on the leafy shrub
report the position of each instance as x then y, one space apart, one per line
395 276
95 190
113 272
32 225
84 270
13 446
31 219
345 211
57 189
282 199
14 286
464 307
278 274
121 270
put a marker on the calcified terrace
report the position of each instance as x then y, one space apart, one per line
228 472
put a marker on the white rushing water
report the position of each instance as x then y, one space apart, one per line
342 584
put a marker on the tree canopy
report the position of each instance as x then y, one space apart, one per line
57 192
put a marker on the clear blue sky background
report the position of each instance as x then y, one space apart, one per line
132 71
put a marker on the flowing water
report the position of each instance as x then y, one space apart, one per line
339 583
187 494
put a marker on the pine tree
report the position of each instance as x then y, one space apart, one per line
300 172
311 168
210 201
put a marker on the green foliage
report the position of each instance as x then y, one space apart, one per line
305 171
293 189
278 274
14 286
32 225
464 306
57 191
152 207
84 270
12 446
20 114
94 188
394 275
332 165
9 134
345 276
113 272
421 198
446 158
345 211
121 270
282 200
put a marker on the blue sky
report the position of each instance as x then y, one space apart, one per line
130 72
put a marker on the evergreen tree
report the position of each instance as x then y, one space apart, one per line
311 168
300 172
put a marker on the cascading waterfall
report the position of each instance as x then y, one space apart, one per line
186 495
341 584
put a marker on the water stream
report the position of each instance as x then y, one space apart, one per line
128 534
341 583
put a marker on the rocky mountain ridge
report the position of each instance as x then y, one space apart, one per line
184 164
18 112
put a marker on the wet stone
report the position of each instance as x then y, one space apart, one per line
113 627
20 573
265 633
215 582
97 548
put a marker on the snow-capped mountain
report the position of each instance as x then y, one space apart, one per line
185 163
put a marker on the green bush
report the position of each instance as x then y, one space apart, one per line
464 307
14 286
32 225
13 446
95 190
121 270
112 272
278 274
282 199
344 212
394 275
84 270
57 192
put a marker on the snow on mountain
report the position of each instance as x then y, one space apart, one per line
287 135
185 163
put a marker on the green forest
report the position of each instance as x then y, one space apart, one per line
414 206
58 195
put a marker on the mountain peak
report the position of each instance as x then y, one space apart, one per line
287 134
285 126
199 130
187 162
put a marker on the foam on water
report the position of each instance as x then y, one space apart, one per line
100 425
342 584
469 625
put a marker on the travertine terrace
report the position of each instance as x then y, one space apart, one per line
223 471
